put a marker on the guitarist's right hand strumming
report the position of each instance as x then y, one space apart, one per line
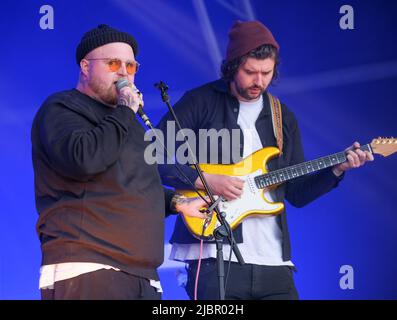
229 188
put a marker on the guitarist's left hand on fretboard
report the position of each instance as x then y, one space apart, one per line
355 158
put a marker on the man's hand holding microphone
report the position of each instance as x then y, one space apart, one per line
130 96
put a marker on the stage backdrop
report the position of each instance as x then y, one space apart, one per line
338 74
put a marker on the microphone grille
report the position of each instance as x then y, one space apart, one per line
121 83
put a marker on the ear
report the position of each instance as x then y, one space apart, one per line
84 66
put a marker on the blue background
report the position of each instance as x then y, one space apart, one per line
341 84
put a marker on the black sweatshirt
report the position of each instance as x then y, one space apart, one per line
98 200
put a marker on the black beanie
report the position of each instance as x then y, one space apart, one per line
100 36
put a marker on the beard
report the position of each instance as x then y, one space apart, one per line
246 94
107 94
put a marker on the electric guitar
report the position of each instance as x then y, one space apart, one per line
256 198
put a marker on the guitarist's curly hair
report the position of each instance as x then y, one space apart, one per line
229 68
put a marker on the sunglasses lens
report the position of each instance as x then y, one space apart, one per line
114 65
132 67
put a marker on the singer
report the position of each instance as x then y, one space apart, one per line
101 206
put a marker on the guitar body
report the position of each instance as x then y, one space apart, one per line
253 201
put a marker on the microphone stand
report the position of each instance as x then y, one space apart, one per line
224 229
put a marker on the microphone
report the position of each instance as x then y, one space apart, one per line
120 84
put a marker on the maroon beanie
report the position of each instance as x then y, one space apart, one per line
246 36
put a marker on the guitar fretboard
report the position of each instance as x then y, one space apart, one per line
298 170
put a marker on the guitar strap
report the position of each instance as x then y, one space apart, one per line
277 120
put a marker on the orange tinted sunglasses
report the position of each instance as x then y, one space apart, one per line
115 65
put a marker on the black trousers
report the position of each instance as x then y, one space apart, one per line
247 282
102 285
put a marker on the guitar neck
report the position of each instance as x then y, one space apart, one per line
298 170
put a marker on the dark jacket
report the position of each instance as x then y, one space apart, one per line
213 106
98 200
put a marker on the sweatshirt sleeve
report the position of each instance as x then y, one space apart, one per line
169 194
76 147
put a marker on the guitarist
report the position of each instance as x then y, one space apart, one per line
239 100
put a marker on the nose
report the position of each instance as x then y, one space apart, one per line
123 69
258 79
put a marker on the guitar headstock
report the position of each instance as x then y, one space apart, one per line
384 146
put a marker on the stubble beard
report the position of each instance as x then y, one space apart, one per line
243 92
107 95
